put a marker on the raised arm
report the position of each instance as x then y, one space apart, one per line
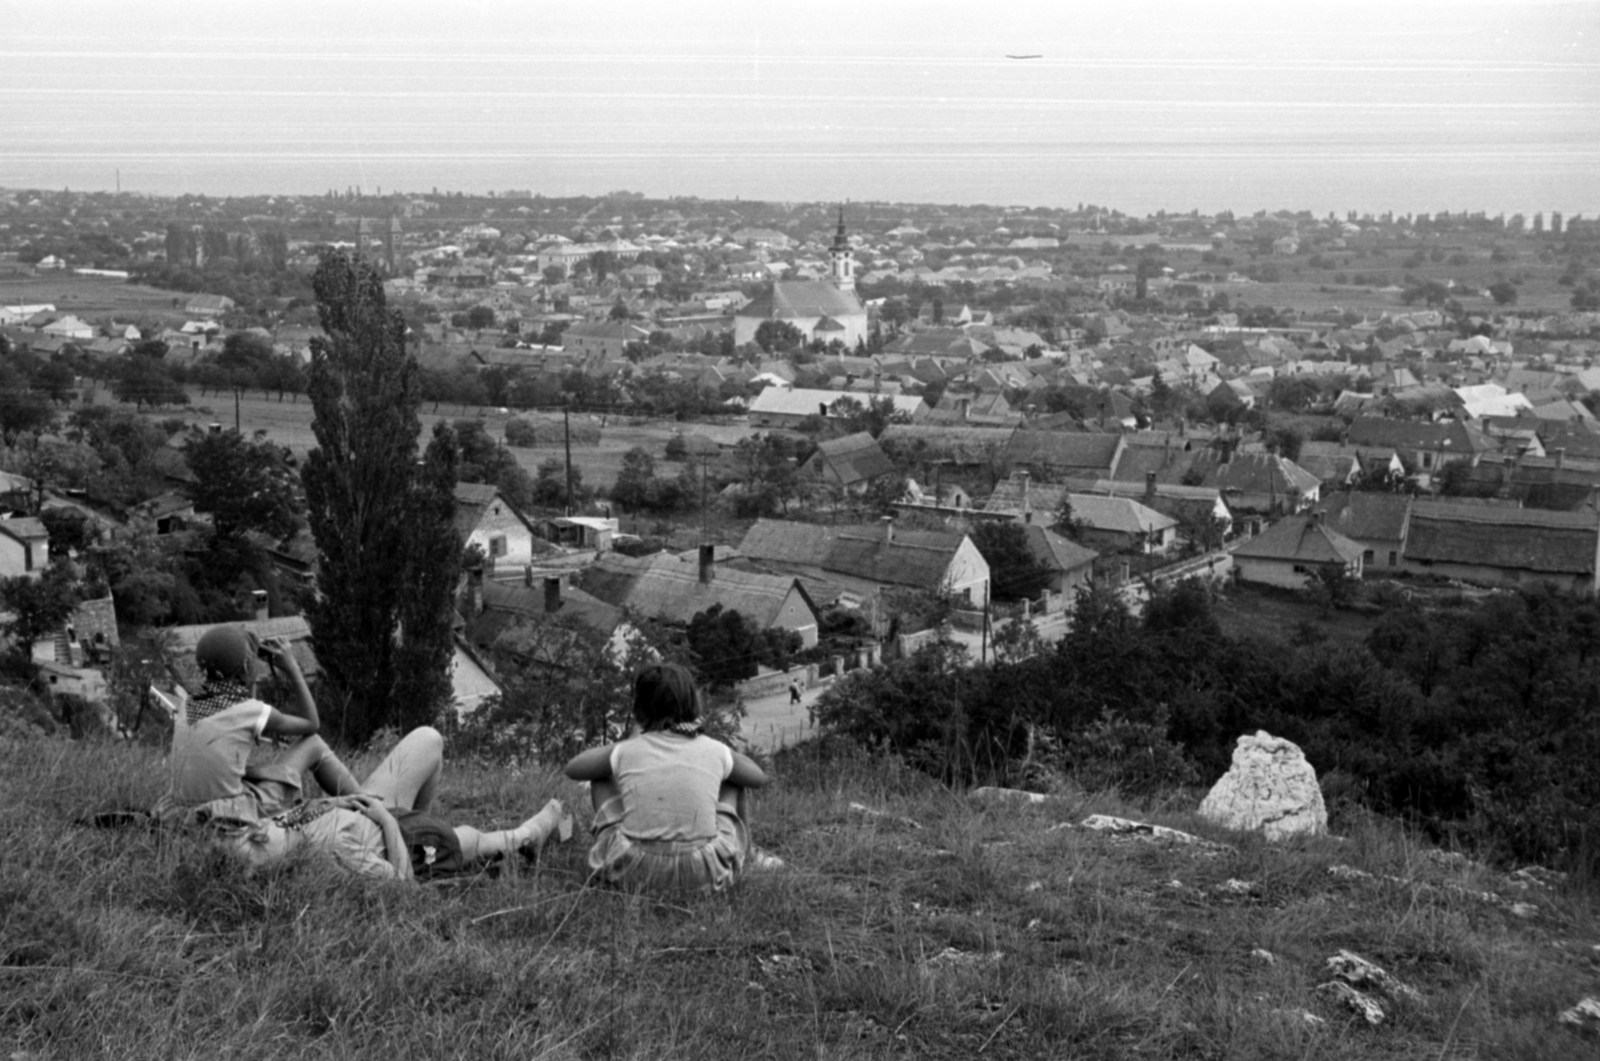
301 719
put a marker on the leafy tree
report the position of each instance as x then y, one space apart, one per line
70 531
775 335
146 381
604 264
382 521
1286 441
479 318
1204 531
638 489
1014 572
55 381
520 433
550 484
22 411
1293 393
1504 292
38 606
483 461
1067 524
1330 586
725 646
245 484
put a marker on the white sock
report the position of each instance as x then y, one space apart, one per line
538 828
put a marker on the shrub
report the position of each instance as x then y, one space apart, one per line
1136 758
521 433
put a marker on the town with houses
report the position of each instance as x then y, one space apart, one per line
845 400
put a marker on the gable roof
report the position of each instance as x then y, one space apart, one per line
1120 515
1447 436
665 587
853 458
1256 473
1088 451
786 542
1500 536
913 558
800 401
1367 516
1055 552
1302 539
802 299
471 501
507 604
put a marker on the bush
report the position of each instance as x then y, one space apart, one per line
1136 758
521 433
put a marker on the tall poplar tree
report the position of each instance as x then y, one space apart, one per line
383 520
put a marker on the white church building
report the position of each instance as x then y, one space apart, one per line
821 309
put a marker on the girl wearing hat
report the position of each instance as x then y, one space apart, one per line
220 769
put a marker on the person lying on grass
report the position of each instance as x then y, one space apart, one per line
387 829
248 793
671 804
220 769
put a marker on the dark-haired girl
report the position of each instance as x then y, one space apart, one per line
670 803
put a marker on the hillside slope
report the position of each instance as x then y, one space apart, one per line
908 922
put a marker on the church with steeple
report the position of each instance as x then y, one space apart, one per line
821 309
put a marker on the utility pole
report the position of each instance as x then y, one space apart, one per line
983 649
566 424
704 534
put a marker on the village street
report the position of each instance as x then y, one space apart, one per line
771 722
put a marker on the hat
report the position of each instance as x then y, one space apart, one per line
225 651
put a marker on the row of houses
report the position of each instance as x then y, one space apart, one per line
1481 543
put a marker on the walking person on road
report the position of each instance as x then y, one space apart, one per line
794 692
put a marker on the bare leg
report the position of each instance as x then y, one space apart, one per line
737 799
531 833
409 776
601 791
312 753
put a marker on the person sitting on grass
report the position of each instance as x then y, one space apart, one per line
388 831
219 768
671 804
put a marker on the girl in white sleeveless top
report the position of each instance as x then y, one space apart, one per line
670 802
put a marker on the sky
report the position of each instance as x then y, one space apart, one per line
1405 105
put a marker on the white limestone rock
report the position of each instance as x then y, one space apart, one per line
1584 1017
1364 1006
1359 972
991 794
1270 788
1127 827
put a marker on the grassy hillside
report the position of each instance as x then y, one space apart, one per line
935 928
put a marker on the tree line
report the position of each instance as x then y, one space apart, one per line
1478 722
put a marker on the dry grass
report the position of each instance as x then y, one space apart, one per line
983 933
1251 613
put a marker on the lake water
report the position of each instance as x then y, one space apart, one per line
1405 107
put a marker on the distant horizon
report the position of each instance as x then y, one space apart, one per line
504 192
1327 106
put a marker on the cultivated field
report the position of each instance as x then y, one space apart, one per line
88 297
288 422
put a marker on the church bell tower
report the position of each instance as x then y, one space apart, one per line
842 267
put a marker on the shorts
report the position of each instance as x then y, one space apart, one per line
670 865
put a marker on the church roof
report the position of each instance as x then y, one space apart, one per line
792 299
